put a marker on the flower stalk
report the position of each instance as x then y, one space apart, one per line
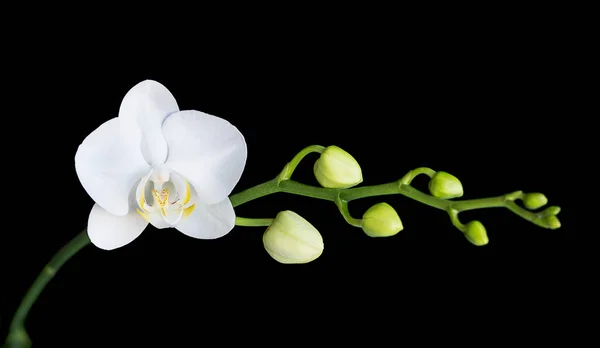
17 325
339 196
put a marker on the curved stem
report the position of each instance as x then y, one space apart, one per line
307 150
411 175
289 168
64 254
455 221
343 207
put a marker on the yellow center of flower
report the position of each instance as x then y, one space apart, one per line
171 198
161 199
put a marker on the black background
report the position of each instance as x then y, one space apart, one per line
488 106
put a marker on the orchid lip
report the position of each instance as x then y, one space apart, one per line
165 195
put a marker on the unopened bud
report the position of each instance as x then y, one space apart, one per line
445 186
337 169
476 233
534 200
550 221
381 220
292 239
553 210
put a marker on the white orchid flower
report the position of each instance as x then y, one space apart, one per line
159 165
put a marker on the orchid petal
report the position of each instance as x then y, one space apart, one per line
155 219
108 231
209 221
207 150
108 167
142 112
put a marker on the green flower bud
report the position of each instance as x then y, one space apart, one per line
337 169
550 221
381 220
445 186
553 210
476 233
292 239
534 200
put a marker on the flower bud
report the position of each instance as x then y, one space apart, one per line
445 186
476 234
292 239
553 210
534 200
381 220
337 169
550 221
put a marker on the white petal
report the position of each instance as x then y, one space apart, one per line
157 220
108 167
209 221
142 111
206 150
109 231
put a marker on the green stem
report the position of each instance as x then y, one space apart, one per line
411 175
369 191
525 214
347 195
307 150
506 201
289 168
64 254
491 202
343 207
254 192
455 221
296 188
248 222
